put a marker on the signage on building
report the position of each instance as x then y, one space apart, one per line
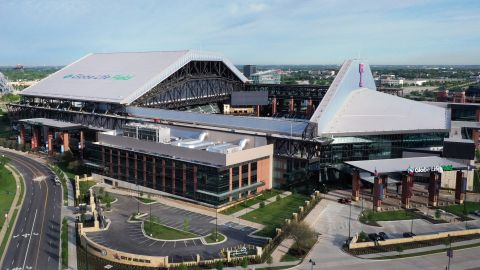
116 77
439 169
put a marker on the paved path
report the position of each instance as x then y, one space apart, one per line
72 240
257 205
10 212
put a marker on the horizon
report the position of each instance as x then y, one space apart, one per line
284 32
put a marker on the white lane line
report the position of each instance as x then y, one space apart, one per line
28 245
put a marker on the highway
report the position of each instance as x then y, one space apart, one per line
35 240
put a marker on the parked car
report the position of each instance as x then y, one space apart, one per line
408 234
383 236
344 200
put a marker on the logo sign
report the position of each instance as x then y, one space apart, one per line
361 68
439 169
116 77
239 252
104 252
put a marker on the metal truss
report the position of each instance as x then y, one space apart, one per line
198 82
284 91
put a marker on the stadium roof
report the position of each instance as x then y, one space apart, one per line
368 112
118 77
259 124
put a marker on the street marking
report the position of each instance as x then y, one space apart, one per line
28 245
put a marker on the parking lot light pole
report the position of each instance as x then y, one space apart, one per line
349 221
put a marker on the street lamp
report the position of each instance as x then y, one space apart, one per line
312 262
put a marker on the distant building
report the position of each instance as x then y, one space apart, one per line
248 70
267 77
390 80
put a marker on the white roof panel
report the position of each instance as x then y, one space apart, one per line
366 112
118 77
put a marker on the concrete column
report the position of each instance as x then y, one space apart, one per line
173 177
230 184
355 185
35 137
50 143
66 141
135 168
459 187
274 105
144 170
111 162
477 115
184 179
407 186
127 167
119 162
378 193
291 105
258 110
103 158
476 137
434 188
385 184
154 173
240 178
81 145
163 174
22 135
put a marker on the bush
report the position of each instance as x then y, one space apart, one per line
278 198
269 259
303 235
219 266
363 237
244 263
438 214
262 204
182 267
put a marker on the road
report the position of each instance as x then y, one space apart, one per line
35 241
332 223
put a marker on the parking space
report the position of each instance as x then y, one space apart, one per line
133 240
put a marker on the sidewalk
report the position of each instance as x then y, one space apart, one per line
257 205
265 265
71 217
417 250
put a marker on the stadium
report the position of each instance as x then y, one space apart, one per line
152 120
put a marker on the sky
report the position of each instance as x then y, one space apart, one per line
245 31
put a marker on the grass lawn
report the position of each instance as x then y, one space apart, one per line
211 238
290 258
457 209
369 215
162 232
7 190
273 215
145 200
64 237
241 206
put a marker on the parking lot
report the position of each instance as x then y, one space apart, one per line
134 241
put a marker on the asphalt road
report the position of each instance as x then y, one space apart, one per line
35 241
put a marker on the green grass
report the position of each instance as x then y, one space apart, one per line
145 200
84 187
369 215
273 215
9 230
241 206
162 232
64 250
7 191
211 238
458 209
290 258
22 187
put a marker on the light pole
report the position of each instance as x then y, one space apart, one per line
349 221
150 205
312 262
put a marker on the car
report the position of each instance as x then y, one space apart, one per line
383 236
341 200
477 213
344 200
408 234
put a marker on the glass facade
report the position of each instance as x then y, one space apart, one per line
194 181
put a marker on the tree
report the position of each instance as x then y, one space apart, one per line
108 204
399 249
182 267
219 266
438 214
304 236
269 259
262 204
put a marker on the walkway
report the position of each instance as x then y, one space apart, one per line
68 212
240 213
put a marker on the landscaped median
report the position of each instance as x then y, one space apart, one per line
246 203
461 210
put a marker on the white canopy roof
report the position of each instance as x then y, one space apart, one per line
369 112
118 77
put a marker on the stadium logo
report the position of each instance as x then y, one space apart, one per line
117 77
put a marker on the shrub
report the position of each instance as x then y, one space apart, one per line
269 259
438 213
244 263
262 204
219 266
278 198
362 237
182 267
